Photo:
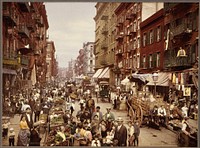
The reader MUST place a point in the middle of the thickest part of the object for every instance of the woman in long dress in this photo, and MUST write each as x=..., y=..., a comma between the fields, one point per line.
x=24, y=133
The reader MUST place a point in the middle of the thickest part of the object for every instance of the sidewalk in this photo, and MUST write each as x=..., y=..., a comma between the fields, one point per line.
x=14, y=123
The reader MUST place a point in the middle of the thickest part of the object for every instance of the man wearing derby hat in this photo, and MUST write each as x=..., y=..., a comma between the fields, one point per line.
x=109, y=114
x=121, y=133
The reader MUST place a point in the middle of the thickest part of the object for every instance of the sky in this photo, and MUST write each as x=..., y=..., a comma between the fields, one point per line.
x=70, y=25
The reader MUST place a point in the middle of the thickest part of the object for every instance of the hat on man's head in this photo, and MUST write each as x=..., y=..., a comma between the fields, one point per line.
x=28, y=108
x=120, y=119
x=98, y=107
x=11, y=129
x=108, y=108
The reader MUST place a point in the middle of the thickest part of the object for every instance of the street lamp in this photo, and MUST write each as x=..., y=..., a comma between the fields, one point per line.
x=155, y=79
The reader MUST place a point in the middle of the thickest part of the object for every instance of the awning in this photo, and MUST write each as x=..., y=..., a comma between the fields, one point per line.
x=163, y=79
x=9, y=71
x=143, y=78
x=105, y=73
x=97, y=73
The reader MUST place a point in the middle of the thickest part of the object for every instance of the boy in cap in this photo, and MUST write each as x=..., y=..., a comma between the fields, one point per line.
x=11, y=137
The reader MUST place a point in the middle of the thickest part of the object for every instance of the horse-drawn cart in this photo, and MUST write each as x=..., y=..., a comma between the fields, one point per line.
x=140, y=106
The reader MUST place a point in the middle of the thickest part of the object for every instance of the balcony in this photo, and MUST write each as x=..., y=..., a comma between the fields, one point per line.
x=133, y=13
x=39, y=20
x=23, y=31
x=10, y=17
x=31, y=25
x=105, y=30
x=128, y=16
x=10, y=61
x=103, y=62
x=180, y=30
x=118, y=52
x=132, y=30
x=104, y=17
x=24, y=6
x=172, y=61
x=104, y=46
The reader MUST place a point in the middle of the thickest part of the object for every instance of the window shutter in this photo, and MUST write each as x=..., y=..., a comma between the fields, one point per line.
x=141, y=62
x=155, y=34
x=147, y=61
x=148, y=41
x=161, y=33
x=154, y=60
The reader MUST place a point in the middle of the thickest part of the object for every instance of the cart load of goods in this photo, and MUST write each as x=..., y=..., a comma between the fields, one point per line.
x=58, y=101
x=56, y=116
x=59, y=136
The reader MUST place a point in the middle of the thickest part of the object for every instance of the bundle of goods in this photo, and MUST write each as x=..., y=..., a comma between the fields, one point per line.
x=59, y=136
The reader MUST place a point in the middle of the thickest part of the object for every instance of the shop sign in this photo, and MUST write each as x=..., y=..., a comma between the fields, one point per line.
x=187, y=91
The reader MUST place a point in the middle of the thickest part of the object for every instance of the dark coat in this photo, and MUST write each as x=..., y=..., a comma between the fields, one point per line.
x=34, y=138
x=121, y=136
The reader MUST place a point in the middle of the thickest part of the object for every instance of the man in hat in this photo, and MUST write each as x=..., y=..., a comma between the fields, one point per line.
x=98, y=113
x=90, y=104
x=121, y=133
x=109, y=114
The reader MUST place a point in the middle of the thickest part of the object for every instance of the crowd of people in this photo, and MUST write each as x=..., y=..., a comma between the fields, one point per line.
x=88, y=127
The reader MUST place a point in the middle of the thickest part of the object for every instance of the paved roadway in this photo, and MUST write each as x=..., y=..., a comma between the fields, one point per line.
x=148, y=136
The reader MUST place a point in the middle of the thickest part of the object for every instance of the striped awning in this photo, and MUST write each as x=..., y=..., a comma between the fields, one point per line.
x=97, y=73
x=105, y=73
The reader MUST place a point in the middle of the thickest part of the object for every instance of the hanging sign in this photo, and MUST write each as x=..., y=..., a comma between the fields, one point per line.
x=187, y=91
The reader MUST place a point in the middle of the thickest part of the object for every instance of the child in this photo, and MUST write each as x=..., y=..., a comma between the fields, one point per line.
x=96, y=142
x=5, y=126
x=11, y=136
x=109, y=139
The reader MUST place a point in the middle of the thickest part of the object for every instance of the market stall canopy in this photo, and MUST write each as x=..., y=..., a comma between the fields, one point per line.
x=140, y=78
x=97, y=73
x=125, y=81
x=163, y=79
x=105, y=73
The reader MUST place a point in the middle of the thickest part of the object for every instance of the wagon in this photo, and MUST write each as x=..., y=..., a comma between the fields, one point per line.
x=104, y=90
x=141, y=105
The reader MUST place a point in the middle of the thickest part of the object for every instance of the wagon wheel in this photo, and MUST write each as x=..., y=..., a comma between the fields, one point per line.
x=138, y=114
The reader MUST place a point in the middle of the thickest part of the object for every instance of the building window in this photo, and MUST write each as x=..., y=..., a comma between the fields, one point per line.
x=151, y=36
x=134, y=26
x=158, y=36
x=150, y=61
x=144, y=39
x=138, y=61
x=138, y=26
x=144, y=61
x=158, y=59
x=138, y=41
x=134, y=44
